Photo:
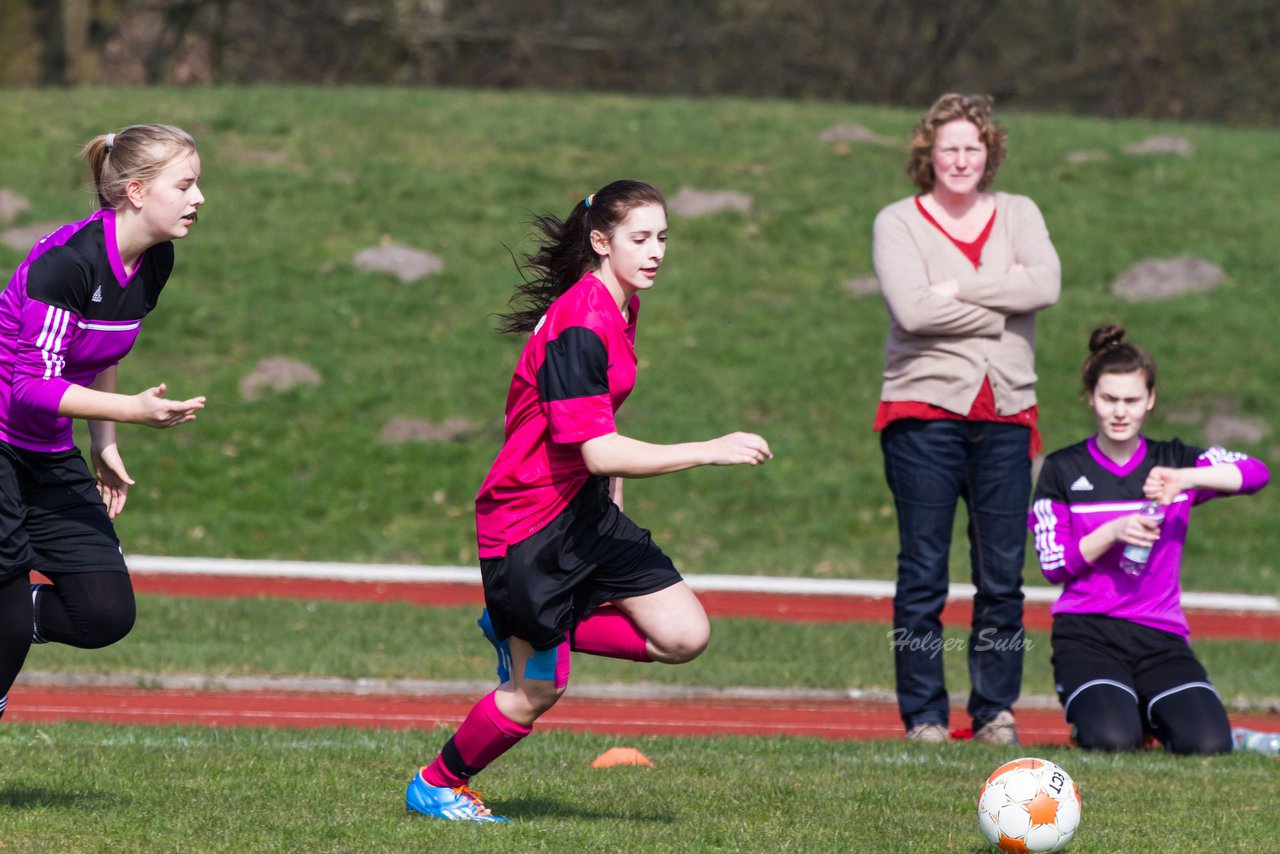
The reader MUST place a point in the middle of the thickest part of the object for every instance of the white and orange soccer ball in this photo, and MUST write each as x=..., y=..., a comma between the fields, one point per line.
x=1029, y=805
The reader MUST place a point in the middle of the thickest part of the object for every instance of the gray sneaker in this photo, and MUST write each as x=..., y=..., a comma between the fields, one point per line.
x=934, y=733
x=1002, y=729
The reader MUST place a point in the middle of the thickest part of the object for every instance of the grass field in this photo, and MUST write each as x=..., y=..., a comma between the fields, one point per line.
x=89, y=788
x=750, y=327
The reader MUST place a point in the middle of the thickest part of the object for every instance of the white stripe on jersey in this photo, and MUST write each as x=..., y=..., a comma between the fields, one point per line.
x=1052, y=554
x=1118, y=506
x=1218, y=455
x=50, y=340
x=121, y=326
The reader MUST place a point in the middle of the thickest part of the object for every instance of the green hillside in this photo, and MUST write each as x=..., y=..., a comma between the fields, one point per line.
x=751, y=325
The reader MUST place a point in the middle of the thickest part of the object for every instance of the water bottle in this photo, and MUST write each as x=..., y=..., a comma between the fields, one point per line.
x=1261, y=742
x=1134, y=559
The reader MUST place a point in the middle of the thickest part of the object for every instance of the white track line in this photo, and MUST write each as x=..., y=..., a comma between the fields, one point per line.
x=385, y=573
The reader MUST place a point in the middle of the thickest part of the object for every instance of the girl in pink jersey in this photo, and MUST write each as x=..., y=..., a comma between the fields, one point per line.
x=70, y=313
x=563, y=568
x=1122, y=659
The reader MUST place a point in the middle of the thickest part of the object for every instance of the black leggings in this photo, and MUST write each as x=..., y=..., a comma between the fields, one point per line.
x=88, y=610
x=1189, y=722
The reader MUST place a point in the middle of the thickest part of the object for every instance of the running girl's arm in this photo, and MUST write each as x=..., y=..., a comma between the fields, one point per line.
x=104, y=453
x=149, y=407
x=615, y=455
x=615, y=491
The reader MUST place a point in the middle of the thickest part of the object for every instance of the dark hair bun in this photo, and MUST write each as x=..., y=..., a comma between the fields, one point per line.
x=1105, y=338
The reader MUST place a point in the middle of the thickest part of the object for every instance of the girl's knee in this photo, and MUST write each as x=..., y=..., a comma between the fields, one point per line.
x=107, y=628
x=540, y=695
x=683, y=647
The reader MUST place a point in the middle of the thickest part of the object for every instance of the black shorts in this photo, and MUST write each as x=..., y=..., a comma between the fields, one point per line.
x=588, y=555
x=51, y=515
x=1091, y=649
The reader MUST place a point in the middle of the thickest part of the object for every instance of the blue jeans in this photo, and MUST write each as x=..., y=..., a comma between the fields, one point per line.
x=929, y=465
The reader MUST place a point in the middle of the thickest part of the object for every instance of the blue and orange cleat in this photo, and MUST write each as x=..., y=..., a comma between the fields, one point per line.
x=501, y=647
x=460, y=804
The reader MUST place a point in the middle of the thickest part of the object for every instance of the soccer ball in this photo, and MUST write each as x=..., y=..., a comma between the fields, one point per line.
x=1029, y=805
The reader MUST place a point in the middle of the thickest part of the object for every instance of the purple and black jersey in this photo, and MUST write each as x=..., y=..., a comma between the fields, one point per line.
x=70, y=312
x=1080, y=489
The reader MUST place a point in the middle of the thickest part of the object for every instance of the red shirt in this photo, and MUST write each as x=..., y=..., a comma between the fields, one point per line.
x=984, y=405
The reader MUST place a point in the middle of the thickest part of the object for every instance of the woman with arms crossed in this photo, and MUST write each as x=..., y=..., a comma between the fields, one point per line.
x=71, y=312
x=563, y=568
x=1122, y=660
x=963, y=271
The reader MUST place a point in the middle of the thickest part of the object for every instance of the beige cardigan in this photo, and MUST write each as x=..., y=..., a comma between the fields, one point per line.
x=940, y=348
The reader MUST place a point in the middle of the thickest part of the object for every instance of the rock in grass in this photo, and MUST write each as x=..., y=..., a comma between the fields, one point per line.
x=404, y=262
x=277, y=374
x=689, y=202
x=1157, y=278
x=12, y=206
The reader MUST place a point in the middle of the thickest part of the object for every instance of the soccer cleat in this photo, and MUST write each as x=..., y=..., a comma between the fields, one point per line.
x=501, y=647
x=460, y=804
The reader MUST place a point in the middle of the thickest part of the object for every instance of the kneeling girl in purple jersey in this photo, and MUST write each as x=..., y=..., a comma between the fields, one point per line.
x=563, y=568
x=1122, y=660
x=71, y=312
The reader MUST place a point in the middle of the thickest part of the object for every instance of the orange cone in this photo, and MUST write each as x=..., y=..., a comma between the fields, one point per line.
x=621, y=756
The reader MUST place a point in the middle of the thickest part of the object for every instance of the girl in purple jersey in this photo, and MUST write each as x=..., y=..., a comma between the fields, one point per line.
x=563, y=568
x=1122, y=661
x=70, y=313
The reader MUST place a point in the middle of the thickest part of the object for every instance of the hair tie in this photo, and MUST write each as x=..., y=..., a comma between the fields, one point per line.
x=588, y=199
x=1112, y=343
x=111, y=141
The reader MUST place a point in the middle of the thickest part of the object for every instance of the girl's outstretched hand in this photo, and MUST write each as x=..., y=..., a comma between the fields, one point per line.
x=739, y=449
x=159, y=412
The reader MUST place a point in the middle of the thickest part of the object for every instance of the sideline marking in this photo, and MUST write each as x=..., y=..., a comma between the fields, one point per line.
x=384, y=573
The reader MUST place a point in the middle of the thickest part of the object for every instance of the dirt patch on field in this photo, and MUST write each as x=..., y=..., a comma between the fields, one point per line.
x=1220, y=420
x=398, y=431
x=1157, y=278
x=277, y=374
x=1091, y=155
x=404, y=262
x=862, y=286
x=690, y=202
x=12, y=206
x=854, y=132
x=1162, y=145
x=24, y=237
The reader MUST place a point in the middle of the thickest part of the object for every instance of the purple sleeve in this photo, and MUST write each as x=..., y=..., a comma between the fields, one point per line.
x=44, y=336
x=1055, y=543
x=1254, y=474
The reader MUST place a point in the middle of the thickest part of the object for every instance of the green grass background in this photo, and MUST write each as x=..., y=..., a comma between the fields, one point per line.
x=750, y=326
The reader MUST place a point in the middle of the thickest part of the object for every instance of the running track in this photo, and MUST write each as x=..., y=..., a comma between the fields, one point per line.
x=821, y=716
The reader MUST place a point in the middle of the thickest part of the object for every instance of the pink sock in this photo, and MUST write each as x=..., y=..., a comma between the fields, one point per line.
x=610, y=633
x=485, y=735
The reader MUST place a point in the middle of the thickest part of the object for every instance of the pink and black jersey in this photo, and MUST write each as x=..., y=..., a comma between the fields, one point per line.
x=1080, y=489
x=70, y=311
x=577, y=368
